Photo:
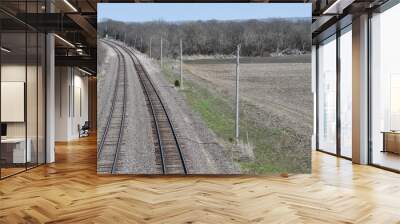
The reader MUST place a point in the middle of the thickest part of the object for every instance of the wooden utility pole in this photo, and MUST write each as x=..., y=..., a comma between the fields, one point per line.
x=237, y=93
x=150, y=48
x=181, y=83
x=161, y=62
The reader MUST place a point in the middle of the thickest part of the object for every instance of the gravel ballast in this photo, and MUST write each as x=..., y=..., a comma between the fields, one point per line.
x=201, y=150
x=137, y=151
x=107, y=62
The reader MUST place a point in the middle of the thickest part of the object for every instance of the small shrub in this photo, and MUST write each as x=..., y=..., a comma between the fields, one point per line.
x=177, y=83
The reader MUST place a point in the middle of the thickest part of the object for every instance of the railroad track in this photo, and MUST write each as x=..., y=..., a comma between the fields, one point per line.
x=168, y=149
x=112, y=137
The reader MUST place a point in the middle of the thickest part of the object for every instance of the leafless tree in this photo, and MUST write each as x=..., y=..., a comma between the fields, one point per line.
x=257, y=37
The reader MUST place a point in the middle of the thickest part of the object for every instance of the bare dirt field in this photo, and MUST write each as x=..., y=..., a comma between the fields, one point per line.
x=276, y=108
x=231, y=59
x=281, y=88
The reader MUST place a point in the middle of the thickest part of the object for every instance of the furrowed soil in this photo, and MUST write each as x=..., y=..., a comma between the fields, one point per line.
x=276, y=108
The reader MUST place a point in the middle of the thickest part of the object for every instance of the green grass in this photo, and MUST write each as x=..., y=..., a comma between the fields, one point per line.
x=214, y=110
x=272, y=146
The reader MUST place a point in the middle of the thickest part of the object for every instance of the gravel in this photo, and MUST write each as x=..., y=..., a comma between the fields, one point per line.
x=137, y=154
x=201, y=150
x=106, y=78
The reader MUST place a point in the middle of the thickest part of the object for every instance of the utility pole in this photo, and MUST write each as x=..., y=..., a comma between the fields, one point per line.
x=161, y=62
x=106, y=30
x=141, y=44
x=237, y=93
x=181, y=83
x=125, y=38
x=150, y=47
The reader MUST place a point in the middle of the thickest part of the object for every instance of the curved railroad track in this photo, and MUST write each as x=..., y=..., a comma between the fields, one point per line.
x=168, y=149
x=111, y=140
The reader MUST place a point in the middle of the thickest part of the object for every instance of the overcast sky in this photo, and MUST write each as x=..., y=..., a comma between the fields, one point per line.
x=142, y=12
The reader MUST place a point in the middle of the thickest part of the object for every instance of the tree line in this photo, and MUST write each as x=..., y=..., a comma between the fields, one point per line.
x=257, y=37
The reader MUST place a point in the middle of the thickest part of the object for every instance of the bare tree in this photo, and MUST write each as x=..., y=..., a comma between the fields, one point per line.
x=257, y=37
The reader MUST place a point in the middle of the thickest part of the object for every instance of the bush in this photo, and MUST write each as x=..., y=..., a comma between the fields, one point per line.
x=177, y=83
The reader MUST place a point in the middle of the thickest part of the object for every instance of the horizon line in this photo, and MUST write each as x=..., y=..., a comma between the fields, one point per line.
x=204, y=20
